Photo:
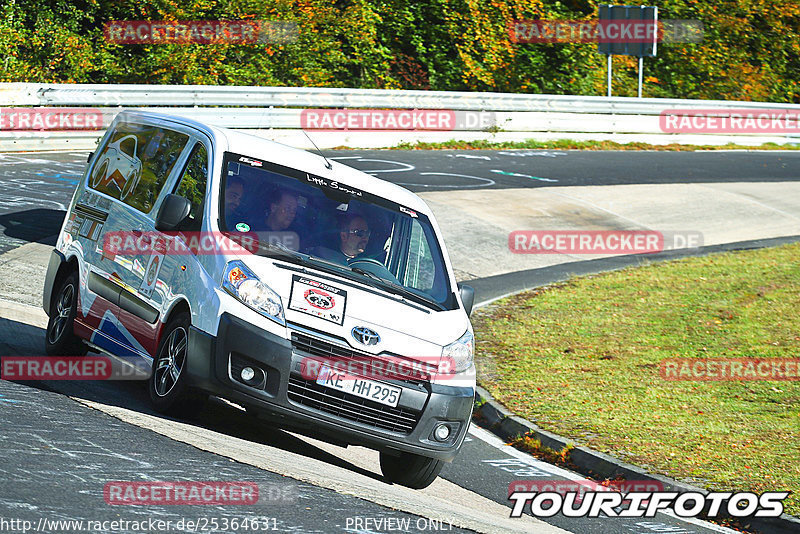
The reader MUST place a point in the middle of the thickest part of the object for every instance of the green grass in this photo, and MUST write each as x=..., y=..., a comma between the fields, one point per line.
x=582, y=359
x=568, y=144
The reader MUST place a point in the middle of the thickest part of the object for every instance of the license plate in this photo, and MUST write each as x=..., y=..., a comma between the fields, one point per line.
x=366, y=389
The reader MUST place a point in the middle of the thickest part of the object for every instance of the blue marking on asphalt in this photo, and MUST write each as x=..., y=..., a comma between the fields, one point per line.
x=60, y=177
x=8, y=400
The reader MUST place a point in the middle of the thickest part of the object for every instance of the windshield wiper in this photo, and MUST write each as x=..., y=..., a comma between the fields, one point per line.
x=398, y=289
x=280, y=248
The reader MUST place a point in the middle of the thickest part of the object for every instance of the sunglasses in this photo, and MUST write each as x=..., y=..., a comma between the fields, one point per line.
x=360, y=233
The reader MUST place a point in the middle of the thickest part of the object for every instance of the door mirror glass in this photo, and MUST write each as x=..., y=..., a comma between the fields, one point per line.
x=467, y=297
x=173, y=211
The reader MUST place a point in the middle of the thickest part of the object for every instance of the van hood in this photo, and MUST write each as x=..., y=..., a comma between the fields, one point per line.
x=317, y=300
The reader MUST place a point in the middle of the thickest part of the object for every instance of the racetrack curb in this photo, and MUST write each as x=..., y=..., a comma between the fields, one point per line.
x=491, y=288
x=493, y=416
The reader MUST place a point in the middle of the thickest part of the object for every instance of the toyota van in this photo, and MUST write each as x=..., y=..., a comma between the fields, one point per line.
x=319, y=298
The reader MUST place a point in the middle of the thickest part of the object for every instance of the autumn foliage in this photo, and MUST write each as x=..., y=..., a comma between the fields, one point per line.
x=750, y=51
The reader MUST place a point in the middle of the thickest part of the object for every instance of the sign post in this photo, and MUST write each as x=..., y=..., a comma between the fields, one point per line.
x=627, y=31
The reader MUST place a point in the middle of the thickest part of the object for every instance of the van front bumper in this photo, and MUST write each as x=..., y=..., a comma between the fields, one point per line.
x=304, y=406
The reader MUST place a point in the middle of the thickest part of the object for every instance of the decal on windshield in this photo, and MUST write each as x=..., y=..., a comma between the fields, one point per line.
x=317, y=299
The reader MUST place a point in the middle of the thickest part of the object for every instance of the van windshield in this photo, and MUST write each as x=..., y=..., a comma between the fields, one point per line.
x=335, y=227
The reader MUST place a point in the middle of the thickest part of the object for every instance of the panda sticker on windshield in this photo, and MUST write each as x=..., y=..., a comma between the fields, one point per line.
x=318, y=299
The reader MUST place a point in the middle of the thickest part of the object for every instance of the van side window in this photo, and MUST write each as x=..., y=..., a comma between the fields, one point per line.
x=193, y=186
x=135, y=163
x=420, y=268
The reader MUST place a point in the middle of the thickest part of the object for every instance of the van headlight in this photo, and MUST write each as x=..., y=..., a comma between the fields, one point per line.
x=245, y=286
x=461, y=352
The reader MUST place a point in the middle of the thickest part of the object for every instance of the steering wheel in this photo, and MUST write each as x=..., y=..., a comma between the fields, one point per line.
x=375, y=267
x=366, y=259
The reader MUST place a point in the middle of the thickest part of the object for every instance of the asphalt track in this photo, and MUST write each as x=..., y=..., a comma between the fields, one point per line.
x=430, y=170
x=61, y=441
x=38, y=186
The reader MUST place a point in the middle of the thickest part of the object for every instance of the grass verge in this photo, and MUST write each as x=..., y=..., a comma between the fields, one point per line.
x=568, y=144
x=582, y=359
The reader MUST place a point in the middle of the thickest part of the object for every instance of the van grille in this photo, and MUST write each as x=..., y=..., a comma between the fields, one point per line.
x=341, y=404
x=319, y=347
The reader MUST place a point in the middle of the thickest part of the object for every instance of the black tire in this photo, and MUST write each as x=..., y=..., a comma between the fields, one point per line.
x=410, y=470
x=168, y=383
x=60, y=338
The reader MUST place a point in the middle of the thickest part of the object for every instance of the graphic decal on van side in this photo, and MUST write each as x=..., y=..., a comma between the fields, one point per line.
x=136, y=162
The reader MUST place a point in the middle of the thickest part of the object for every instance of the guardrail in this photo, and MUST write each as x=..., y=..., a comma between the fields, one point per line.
x=278, y=111
x=33, y=94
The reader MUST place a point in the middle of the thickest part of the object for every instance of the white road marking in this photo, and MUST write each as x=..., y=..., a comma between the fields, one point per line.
x=487, y=184
x=407, y=166
x=469, y=156
x=541, y=153
x=508, y=173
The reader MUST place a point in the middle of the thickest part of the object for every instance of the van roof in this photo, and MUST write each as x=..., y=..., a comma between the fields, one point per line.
x=257, y=147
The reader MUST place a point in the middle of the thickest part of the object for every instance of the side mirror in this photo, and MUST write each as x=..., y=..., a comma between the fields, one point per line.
x=173, y=211
x=467, y=297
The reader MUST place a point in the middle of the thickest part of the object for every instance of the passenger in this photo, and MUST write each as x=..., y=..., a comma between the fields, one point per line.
x=282, y=211
x=234, y=191
x=277, y=229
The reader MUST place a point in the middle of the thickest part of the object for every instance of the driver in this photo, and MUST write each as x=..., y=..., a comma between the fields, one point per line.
x=354, y=235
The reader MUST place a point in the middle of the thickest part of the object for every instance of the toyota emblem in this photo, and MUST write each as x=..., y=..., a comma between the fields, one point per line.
x=365, y=336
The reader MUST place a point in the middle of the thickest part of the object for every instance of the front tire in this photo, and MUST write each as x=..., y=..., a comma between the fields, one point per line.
x=410, y=470
x=60, y=338
x=168, y=387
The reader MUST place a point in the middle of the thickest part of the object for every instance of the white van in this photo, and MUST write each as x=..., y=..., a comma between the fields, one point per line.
x=318, y=297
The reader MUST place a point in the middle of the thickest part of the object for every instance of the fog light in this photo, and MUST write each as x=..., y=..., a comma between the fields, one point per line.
x=247, y=374
x=442, y=432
